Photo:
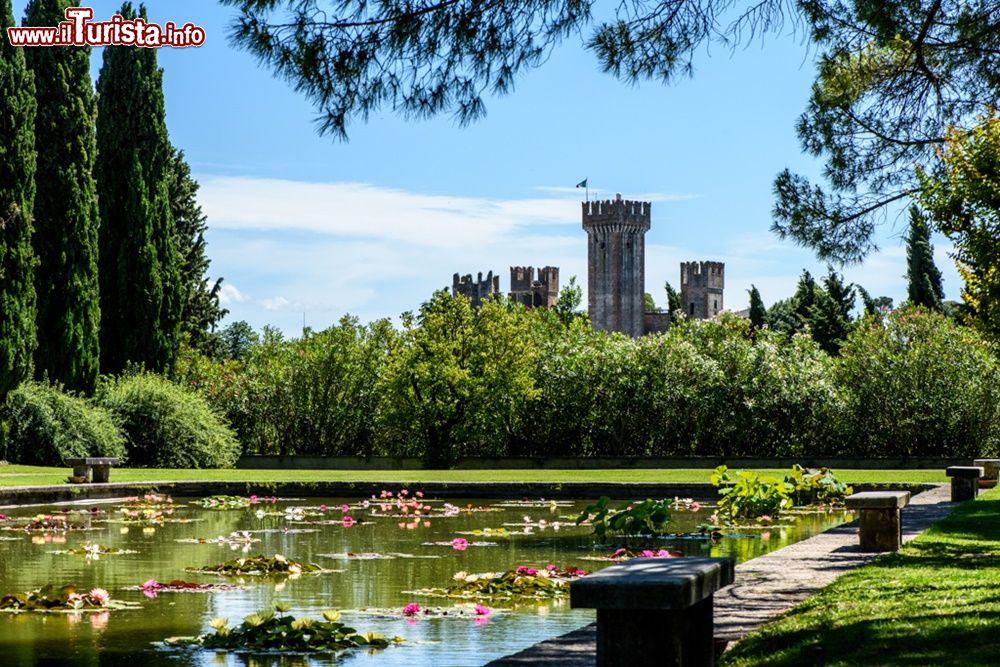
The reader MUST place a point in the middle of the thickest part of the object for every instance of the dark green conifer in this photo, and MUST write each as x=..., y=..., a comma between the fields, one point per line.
x=758, y=313
x=142, y=297
x=66, y=215
x=922, y=275
x=17, y=193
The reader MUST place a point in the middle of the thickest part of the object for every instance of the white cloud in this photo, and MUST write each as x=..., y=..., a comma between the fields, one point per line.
x=229, y=294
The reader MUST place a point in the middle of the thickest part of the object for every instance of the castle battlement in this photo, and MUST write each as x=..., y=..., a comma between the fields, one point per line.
x=525, y=289
x=618, y=212
x=703, y=274
x=476, y=290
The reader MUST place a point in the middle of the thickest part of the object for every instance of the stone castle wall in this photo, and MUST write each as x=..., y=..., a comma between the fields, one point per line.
x=702, y=286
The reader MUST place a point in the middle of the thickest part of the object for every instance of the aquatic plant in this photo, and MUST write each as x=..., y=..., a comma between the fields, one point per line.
x=62, y=599
x=521, y=583
x=278, y=631
x=222, y=502
x=262, y=566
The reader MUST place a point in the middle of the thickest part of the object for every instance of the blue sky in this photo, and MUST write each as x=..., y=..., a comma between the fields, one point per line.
x=303, y=225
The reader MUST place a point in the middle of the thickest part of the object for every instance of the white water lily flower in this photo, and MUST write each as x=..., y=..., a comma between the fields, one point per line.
x=460, y=576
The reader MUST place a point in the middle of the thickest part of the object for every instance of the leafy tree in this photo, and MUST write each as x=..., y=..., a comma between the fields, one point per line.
x=66, y=214
x=648, y=304
x=17, y=194
x=238, y=339
x=893, y=76
x=673, y=299
x=804, y=300
x=142, y=294
x=201, y=309
x=758, y=314
x=963, y=197
x=459, y=381
x=569, y=302
x=781, y=317
x=922, y=277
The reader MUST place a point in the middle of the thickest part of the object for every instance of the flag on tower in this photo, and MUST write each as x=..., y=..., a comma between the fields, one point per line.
x=582, y=184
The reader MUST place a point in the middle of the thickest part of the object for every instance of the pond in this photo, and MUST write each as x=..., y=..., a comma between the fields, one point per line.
x=538, y=533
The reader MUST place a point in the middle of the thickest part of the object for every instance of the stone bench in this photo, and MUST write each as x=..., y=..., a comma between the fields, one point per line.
x=964, y=482
x=991, y=472
x=881, y=518
x=654, y=611
x=97, y=469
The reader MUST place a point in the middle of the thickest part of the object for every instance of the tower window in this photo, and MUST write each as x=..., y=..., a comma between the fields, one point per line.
x=715, y=305
x=692, y=309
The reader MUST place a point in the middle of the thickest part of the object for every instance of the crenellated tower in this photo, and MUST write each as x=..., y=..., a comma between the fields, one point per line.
x=616, y=255
x=702, y=285
x=477, y=290
x=532, y=293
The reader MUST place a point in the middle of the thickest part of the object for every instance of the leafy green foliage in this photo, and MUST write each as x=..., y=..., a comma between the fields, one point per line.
x=962, y=195
x=459, y=380
x=916, y=383
x=48, y=426
x=521, y=583
x=66, y=215
x=17, y=196
x=222, y=502
x=167, y=425
x=649, y=517
x=673, y=299
x=748, y=495
x=816, y=486
x=62, y=599
x=262, y=566
x=142, y=294
x=271, y=631
x=758, y=313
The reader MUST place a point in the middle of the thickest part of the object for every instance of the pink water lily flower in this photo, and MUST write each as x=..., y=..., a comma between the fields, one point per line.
x=419, y=494
x=345, y=508
x=322, y=508
x=460, y=544
x=646, y=553
x=663, y=553
x=483, y=611
x=152, y=583
x=99, y=596
x=347, y=521
x=411, y=609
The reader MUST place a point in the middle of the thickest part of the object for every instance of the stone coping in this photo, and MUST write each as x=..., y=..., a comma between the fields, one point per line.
x=965, y=472
x=652, y=583
x=46, y=495
x=872, y=500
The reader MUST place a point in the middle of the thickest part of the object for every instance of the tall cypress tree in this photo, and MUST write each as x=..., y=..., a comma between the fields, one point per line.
x=201, y=301
x=141, y=291
x=17, y=193
x=66, y=215
x=758, y=313
x=922, y=275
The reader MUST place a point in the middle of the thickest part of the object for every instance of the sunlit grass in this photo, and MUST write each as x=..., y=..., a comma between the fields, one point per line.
x=936, y=602
x=18, y=475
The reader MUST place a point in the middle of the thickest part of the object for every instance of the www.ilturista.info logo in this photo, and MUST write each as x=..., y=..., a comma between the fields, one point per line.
x=79, y=30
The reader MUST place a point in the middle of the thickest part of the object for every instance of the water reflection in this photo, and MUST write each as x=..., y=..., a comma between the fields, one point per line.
x=529, y=538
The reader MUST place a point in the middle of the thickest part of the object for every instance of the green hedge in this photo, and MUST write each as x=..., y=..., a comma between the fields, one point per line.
x=46, y=426
x=167, y=425
x=502, y=381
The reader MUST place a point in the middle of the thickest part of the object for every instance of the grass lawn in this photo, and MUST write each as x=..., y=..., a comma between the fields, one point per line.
x=935, y=602
x=18, y=475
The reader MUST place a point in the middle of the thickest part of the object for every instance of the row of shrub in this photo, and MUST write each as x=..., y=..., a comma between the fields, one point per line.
x=141, y=418
x=502, y=381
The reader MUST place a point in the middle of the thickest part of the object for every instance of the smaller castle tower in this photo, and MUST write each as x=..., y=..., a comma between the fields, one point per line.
x=532, y=293
x=702, y=285
x=475, y=290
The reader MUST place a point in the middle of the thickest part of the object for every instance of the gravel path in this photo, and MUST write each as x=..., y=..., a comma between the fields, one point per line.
x=765, y=587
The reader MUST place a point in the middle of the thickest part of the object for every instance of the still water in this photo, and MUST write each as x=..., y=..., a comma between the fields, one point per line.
x=130, y=637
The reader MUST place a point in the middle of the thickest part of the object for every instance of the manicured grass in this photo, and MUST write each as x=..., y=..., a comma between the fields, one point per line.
x=936, y=602
x=17, y=475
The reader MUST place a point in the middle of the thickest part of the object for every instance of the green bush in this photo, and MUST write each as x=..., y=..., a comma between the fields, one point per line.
x=46, y=426
x=168, y=426
x=917, y=384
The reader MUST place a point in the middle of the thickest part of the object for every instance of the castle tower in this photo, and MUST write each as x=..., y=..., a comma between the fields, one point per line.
x=475, y=290
x=532, y=293
x=702, y=284
x=616, y=256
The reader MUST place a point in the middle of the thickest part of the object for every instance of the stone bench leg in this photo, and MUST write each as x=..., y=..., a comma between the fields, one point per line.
x=656, y=637
x=964, y=488
x=102, y=474
x=82, y=471
x=881, y=529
